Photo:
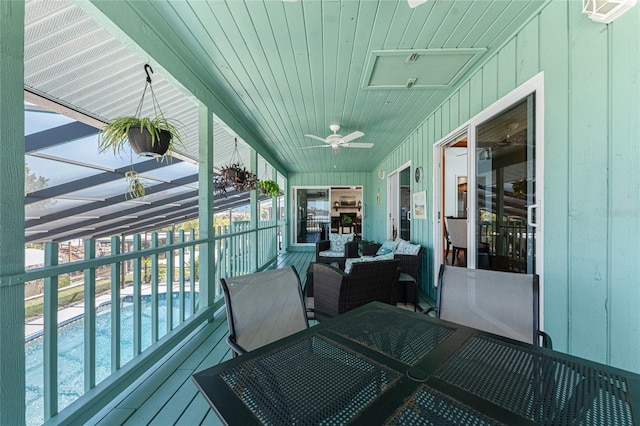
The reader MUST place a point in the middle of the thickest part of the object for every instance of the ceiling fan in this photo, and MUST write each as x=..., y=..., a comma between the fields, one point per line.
x=336, y=141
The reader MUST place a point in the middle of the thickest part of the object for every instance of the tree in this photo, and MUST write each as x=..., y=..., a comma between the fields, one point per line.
x=33, y=182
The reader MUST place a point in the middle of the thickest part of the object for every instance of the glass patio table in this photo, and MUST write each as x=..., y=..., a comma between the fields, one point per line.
x=379, y=364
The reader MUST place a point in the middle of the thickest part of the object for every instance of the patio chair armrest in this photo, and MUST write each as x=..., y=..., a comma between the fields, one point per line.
x=546, y=340
x=351, y=249
x=411, y=264
x=322, y=246
x=370, y=249
x=235, y=347
x=430, y=310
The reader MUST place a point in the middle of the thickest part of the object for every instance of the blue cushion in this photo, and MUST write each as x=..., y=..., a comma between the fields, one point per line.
x=408, y=248
x=388, y=247
x=337, y=241
x=331, y=253
x=349, y=263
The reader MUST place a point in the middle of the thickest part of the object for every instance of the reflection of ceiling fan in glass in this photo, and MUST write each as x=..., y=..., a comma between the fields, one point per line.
x=412, y=3
x=336, y=141
x=514, y=137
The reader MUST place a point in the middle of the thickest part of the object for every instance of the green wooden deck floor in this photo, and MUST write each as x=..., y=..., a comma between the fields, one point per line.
x=166, y=395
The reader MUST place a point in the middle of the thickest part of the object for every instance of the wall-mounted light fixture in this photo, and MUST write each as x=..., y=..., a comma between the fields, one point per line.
x=606, y=11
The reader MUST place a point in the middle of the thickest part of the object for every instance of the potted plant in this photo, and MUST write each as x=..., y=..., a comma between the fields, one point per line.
x=135, y=185
x=150, y=137
x=269, y=187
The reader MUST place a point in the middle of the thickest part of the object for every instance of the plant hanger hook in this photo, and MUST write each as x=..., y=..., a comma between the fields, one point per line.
x=156, y=107
x=148, y=68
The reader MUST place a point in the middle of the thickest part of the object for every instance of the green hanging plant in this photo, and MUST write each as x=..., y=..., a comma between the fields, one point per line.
x=147, y=136
x=136, y=187
x=151, y=137
x=269, y=187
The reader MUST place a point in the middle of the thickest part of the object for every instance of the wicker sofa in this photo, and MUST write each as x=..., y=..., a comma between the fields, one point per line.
x=336, y=292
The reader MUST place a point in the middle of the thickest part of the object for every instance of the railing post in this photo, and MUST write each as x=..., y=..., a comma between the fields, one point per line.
x=154, y=290
x=181, y=275
x=50, y=356
x=89, y=317
x=169, y=279
x=192, y=272
x=137, y=290
x=115, y=306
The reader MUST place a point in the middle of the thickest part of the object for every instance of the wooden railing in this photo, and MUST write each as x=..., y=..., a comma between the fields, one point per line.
x=507, y=239
x=169, y=268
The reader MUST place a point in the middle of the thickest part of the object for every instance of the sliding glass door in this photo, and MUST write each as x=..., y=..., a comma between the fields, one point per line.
x=488, y=187
x=505, y=190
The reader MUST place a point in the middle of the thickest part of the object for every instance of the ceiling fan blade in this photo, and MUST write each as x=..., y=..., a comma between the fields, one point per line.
x=317, y=138
x=351, y=136
x=316, y=146
x=415, y=3
x=357, y=145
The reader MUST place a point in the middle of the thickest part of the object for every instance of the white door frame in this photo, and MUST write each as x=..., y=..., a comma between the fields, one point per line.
x=531, y=86
x=393, y=198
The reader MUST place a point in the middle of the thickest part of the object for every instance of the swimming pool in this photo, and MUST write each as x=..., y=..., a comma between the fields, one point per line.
x=71, y=352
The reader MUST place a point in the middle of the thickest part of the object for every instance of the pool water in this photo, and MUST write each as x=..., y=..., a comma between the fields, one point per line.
x=71, y=352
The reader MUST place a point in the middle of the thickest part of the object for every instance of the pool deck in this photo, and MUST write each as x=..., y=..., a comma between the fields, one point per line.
x=165, y=394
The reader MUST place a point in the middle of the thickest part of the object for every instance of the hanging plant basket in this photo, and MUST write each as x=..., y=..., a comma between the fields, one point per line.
x=151, y=137
x=269, y=187
x=136, y=186
x=236, y=175
x=143, y=143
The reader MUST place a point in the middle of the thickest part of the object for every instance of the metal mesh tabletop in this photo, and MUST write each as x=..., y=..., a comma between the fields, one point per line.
x=308, y=382
x=394, y=334
x=543, y=388
x=382, y=365
x=427, y=406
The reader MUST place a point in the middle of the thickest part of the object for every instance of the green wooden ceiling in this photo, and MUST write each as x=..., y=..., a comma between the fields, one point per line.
x=281, y=69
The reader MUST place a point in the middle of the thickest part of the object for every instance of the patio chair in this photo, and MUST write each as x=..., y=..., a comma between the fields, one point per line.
x=456, y=228
x=263, y=307
x=337, y=249
x=336, y=292
x=503, y=303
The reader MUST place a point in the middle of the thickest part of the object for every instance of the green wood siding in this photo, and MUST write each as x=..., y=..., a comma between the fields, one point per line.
x=12, y=397
x=592, y=177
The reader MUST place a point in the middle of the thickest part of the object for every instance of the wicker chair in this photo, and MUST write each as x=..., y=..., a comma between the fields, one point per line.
x=350, y=250
x=410, y=273
x=336, y=292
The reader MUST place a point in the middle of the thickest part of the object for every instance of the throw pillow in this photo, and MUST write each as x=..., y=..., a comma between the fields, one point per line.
x=349, y=263
x=337, y=241
x=408, y=248
x=388, y=247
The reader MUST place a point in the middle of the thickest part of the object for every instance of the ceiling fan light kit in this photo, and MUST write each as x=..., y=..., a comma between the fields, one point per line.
x=415, y=3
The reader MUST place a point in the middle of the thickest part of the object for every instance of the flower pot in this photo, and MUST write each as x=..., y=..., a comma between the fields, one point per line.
x=140, y=141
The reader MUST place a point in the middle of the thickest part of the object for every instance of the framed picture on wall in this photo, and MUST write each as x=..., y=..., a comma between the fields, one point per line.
x=420, y=205
x=347, y=201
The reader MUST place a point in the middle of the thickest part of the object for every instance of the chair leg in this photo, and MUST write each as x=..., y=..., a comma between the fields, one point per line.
x=446, y=254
